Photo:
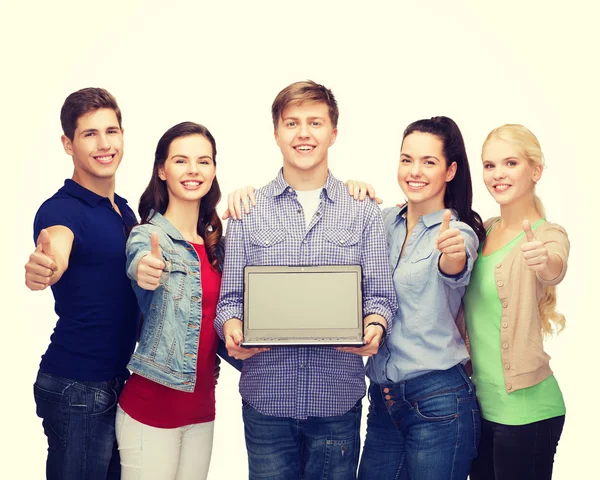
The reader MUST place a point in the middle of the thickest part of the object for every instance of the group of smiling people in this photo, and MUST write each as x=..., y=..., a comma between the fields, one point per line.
x=456, y=309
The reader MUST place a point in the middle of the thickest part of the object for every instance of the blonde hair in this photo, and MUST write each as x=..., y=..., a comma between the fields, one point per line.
x=529, y=147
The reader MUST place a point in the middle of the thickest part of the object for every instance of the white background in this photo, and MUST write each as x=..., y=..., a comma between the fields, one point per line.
x=222, y=63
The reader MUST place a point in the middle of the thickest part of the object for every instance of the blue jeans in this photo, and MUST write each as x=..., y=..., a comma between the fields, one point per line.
x=79, y=421
x=318, y=448
x=426, y=428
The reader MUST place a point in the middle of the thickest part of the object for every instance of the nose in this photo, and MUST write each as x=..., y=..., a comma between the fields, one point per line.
x=499, y=173
x=303, y=131
x=102, y=142
x=415, y=169
x=192, y=168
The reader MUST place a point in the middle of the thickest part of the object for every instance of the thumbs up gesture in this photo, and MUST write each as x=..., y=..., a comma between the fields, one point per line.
x=41, y=265
x=534, y=252
x=151, y=266
x=450, y=241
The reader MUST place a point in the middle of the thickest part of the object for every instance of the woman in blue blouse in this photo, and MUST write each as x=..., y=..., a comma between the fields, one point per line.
x=423, y=420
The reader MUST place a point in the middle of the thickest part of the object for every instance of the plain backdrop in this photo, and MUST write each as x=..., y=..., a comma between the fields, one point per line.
x=222, y=63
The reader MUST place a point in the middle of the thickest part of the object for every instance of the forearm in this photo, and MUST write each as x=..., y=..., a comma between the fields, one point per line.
x=452, y=266
x=553, y=267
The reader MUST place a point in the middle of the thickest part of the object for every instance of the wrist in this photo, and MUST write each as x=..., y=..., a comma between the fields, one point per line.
x=383, y=330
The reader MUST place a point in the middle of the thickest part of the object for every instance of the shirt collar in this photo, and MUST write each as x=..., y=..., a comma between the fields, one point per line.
x=93, y=199
x=332, y=188
x=166, y=226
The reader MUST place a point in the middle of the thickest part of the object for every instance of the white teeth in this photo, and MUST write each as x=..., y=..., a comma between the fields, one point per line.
x=104, y=159
x=304, y=148
x=501, y=188
x=191, y=184
x=416, y=184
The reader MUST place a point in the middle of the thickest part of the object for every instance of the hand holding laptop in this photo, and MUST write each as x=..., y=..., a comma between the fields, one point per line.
x=374, y=336
x=232, y=331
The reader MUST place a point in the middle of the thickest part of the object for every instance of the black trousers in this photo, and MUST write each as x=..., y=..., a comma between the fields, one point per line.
x=517, y=452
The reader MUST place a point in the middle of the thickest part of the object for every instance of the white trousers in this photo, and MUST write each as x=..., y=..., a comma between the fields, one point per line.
x=150, y=453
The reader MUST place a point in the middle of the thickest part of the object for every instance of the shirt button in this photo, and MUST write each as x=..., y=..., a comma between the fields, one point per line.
x=386, y=390
x=305, y=241
x=299, y=210
x=505, y=304
x=499, y=265
x=504, y=324
x=500, y=283
x=342, y=241
x=509, y=386
x=318, y=214
x=388, y=397
x=506, y=366
x=505, y=346
x=301, y=365
x=290, y=189
x=268, y=242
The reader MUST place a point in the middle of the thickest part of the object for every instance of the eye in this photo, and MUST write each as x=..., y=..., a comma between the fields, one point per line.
x=179, y=160
x=511, y=163
x=113, y=131
x=204, y=162
x=90, y=134
x=315, y=123
x=488, y=166
x=405, y=160
x=429, y=162
x=290, y=124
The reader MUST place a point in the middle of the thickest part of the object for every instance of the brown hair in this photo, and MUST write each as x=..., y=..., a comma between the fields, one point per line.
x=156, y=197
x=531, y=151
x=84, y=101
x=301, y=92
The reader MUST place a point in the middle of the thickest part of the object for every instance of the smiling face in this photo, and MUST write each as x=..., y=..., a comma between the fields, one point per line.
x=189, y=169
x=507, y=175
x=304, y=135
x=422, y=172
x=96, y=148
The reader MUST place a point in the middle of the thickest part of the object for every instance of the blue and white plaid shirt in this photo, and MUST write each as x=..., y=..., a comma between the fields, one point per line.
x=298, y=382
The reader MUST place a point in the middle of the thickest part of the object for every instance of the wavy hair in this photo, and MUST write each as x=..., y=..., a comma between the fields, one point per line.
x=156, y=197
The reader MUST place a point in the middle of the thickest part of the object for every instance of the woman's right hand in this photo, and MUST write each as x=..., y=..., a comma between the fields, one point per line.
x=359, y=190
x=151, y=266
x=235, y=200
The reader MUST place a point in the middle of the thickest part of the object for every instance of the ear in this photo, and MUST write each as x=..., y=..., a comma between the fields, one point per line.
x=161, y=173
x=276, y=135
x=333, y=136
x=537, y=173
x=67, y=144
x=451, y=172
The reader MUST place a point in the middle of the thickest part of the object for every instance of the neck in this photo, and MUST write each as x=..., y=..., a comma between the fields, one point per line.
x=513, y=214
x=306, y=179
x=184, y=217
x=416, y=210
x=105, y=187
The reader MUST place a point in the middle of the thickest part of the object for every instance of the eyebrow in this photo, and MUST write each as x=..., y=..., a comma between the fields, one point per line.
x=308, y=118
x=93, y=130
x=503, y=160
x=426, y=157
x=186, y=157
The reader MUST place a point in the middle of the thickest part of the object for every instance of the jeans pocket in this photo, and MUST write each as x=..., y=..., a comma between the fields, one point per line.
x=437, y=408
x=105, y=400
x=52, y=408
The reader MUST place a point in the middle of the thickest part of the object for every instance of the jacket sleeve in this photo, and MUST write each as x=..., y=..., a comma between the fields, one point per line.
x=555, y=239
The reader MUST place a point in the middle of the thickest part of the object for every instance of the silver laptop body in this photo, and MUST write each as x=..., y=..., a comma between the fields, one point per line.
x=307, y=305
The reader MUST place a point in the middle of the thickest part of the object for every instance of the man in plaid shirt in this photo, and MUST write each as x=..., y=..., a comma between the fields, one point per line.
x=302, y=405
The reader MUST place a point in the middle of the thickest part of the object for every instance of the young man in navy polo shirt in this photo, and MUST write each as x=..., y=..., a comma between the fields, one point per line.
x=80, y=233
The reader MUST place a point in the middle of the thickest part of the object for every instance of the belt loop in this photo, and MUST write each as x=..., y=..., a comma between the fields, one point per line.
x=463, y=372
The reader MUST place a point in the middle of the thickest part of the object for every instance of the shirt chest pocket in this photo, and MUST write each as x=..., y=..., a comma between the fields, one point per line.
x=267, y=246
x=341, y=246
x=419, y=267
x=175, y=274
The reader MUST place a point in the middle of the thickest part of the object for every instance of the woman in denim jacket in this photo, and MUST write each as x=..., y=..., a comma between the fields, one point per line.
x=165, y=418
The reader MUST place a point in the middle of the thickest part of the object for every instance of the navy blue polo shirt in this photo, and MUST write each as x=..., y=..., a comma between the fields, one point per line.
x=98, y=313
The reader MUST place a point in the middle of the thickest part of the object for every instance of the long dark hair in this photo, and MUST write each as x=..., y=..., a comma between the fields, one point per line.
x=459, y=190
x=156, y=197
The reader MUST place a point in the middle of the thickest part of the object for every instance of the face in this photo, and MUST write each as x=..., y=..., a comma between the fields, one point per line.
x=97, y=146
x=507, y=175
x=422, y=173
x=189, y=169
x=304, y=135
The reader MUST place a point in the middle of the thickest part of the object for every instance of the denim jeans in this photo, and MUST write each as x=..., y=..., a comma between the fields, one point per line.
x=425, y=428
x=79, y=421
x=318, y=448
x=517, y=452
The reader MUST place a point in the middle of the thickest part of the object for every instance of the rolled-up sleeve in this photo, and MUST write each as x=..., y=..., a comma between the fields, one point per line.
x=231, y=298
x=471, y=246
x=379, y=296
x=556, y=241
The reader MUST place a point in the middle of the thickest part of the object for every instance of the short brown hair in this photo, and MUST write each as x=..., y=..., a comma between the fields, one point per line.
x=300, y=92
x=84, y=101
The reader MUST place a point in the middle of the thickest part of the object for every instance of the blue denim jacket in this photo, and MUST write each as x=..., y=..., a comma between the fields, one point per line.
x=168, y=344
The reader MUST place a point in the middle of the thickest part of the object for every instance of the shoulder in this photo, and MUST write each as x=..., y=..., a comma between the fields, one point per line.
x=552, y=232
x=489, y=222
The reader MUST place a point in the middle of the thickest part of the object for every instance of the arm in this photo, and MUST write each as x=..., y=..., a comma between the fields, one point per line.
x=548, y=255
x=379, y=296
x=242, y=197
x=458, y=251
x=50, y=259
x=145, y=263
x=230, y=309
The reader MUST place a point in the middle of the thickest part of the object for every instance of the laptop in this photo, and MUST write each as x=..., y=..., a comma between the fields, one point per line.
x=304, y=305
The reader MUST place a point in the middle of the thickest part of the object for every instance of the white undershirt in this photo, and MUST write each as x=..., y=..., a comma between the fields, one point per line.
x=309, y=199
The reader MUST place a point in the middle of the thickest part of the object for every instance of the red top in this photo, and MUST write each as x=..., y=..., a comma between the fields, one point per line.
x=159, y=406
